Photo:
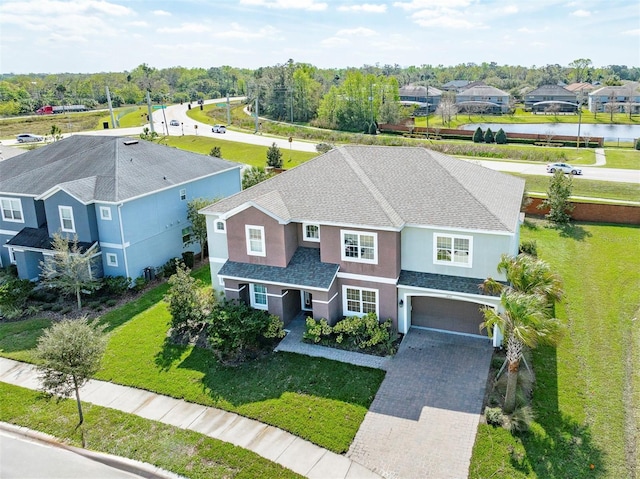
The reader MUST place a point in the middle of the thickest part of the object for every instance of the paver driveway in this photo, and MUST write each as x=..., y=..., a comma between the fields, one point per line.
x=423, y=420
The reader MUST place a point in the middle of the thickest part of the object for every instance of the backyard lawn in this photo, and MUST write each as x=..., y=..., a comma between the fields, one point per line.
x=587, y=395
x=317, y=399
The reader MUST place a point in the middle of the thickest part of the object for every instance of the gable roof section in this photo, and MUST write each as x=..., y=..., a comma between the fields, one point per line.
x=482, y=90
x=104, y=168
x=551, y=90
x=418, y=90
x=387, y=188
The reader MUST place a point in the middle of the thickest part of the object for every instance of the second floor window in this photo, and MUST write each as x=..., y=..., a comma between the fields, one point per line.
x=455, y=250
x=183, y=194
x=361, y=247
x=66, y=219
x=311, y=232
x=255, y=240
x=105, y=213
x=11, y=210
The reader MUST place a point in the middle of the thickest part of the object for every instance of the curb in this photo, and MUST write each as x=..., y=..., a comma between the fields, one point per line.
x=138, y=468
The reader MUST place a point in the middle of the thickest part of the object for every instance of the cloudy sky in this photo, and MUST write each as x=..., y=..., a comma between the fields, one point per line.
x=53, y=36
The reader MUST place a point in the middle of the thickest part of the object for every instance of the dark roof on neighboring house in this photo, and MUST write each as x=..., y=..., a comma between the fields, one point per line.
x=104, y=168
x=456, y=84
x=7, y=152
x=442, y=282
x=483, y=90
x=387, y=187
x=418, y=90
x=38, y=238
x=546, y=90
x=305, y=270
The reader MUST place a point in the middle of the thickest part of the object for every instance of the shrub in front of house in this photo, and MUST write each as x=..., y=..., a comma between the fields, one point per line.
x=116, y=286
x=14, y=294
x=237, y=332
x=354, y=333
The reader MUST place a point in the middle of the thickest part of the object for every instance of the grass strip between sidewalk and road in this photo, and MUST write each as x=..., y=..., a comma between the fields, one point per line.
x=106, y=430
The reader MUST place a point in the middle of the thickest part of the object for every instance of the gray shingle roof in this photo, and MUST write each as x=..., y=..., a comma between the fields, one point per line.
x=38, y=238
x=551, y=90
x=388, y=187
x=418, y=90
x=305, y=270
x=442, y=282
x=103, y=168
x=482, y=90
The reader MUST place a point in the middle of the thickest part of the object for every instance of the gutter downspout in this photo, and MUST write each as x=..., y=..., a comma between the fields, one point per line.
x=124, y=248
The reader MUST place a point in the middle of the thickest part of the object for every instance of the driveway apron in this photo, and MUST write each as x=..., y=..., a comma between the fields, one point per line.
x=423, y=420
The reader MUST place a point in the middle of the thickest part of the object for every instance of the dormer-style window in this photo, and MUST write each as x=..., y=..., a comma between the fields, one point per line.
x=11, y=210
x=219, y=226
x=67, y=223
x=359, y=246
x=311, y=232
x=105, y=213
x=255, y=240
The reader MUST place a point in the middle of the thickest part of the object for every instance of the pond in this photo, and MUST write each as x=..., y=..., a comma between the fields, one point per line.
x=609, y=132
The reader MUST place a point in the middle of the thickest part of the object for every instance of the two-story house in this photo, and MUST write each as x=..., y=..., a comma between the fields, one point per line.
x=551, y=97
x=404, y=232
x=616, y=99
x=124, y=200
x=483, y=98
x=427, y=98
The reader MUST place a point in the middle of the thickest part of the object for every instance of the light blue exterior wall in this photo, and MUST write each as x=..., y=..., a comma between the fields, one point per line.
x=8, y=229
x=153, y=224
x=418, y=251
x=218, y=251
x=28, y=263
x=84, y=217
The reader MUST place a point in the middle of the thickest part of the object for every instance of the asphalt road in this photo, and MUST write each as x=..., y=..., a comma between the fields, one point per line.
x=188, y=127
x=24, y=458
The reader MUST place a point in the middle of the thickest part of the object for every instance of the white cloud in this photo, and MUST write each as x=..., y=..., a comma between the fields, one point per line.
x=310, y=5
x=419, y=4
x=186, y=28
x=239, y=32
x=364, y=7
x=49, y=8
x=334, y=42
x=581, y=13
x=161, y=13
x=510, y=10
x=633, y=33
x=443, y=18
x=364, y=32
x=140, y=23
x=396, y=42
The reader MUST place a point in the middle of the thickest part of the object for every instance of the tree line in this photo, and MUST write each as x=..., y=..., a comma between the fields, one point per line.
x=298, y=92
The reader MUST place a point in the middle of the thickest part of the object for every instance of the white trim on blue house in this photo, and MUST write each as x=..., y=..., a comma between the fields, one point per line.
x=64, y=208
x=113, y=245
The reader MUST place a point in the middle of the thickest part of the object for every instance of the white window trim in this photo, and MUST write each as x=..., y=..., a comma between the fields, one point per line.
x=11, y=202
x=183, y=194
x=224, y=226
x=304, y=232
x=62, y=208
x=12, y=256
x=345, y=309
x=112, y=260
x=359, y=259
x=252, y=294
x=452, y=237
x=248, y=240
x=105, y=213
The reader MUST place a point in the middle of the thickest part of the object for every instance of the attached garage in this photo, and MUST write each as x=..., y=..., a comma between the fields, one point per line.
x=446, y=315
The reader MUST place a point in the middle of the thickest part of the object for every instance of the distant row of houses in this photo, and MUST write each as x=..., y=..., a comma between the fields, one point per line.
x=478, y=97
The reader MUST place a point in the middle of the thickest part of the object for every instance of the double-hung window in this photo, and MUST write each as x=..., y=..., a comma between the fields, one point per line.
x=359, y=301
x=67, y=223
x=311, y=232
x=11, y=210
x=255, y=240
x=112, y=259
x=452, y=250
x=358, y=246
x=259, y=298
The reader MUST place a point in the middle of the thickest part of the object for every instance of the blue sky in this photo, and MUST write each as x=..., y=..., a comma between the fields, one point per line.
x=88, y=36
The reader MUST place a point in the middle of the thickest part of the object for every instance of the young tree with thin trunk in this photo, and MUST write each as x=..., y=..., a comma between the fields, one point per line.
x=560, y=188
x=198, y=222
x=70, y=270
x=70, y=351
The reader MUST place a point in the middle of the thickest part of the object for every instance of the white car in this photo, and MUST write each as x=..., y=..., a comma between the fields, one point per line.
x=219, y=129
x=564, y=167
x=28, y=137
x=174, y=123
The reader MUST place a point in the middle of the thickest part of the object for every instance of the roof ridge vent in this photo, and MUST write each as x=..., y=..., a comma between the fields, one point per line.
x=131, y=142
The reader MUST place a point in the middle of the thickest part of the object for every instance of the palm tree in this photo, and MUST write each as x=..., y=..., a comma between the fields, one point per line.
x=529, y=275
x=524, y=322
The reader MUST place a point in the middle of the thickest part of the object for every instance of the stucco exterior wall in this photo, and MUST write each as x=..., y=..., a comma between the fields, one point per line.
x=84, y=218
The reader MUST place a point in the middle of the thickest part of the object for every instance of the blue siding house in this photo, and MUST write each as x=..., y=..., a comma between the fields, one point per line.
x=124, y=200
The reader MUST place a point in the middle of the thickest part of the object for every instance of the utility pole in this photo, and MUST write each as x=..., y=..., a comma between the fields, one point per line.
x=113, y=121
x=428, y=108
x=257, y=123
x=228, y=109
x=150, y=112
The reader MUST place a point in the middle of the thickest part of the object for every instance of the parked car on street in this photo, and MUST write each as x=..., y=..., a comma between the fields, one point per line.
x=27, y=137
x=174, y=123
x=564, y=167
x=219, y=129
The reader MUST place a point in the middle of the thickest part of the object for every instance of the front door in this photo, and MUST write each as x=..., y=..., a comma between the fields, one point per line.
x=305, y=297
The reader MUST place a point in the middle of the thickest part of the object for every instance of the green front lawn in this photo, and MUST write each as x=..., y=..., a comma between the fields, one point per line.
x=317, y=399
x=586, y=397
x=627, y=159
x=106, y=430
x=588, y=188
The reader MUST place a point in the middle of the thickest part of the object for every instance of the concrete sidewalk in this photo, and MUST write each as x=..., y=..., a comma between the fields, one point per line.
x=269, y=442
